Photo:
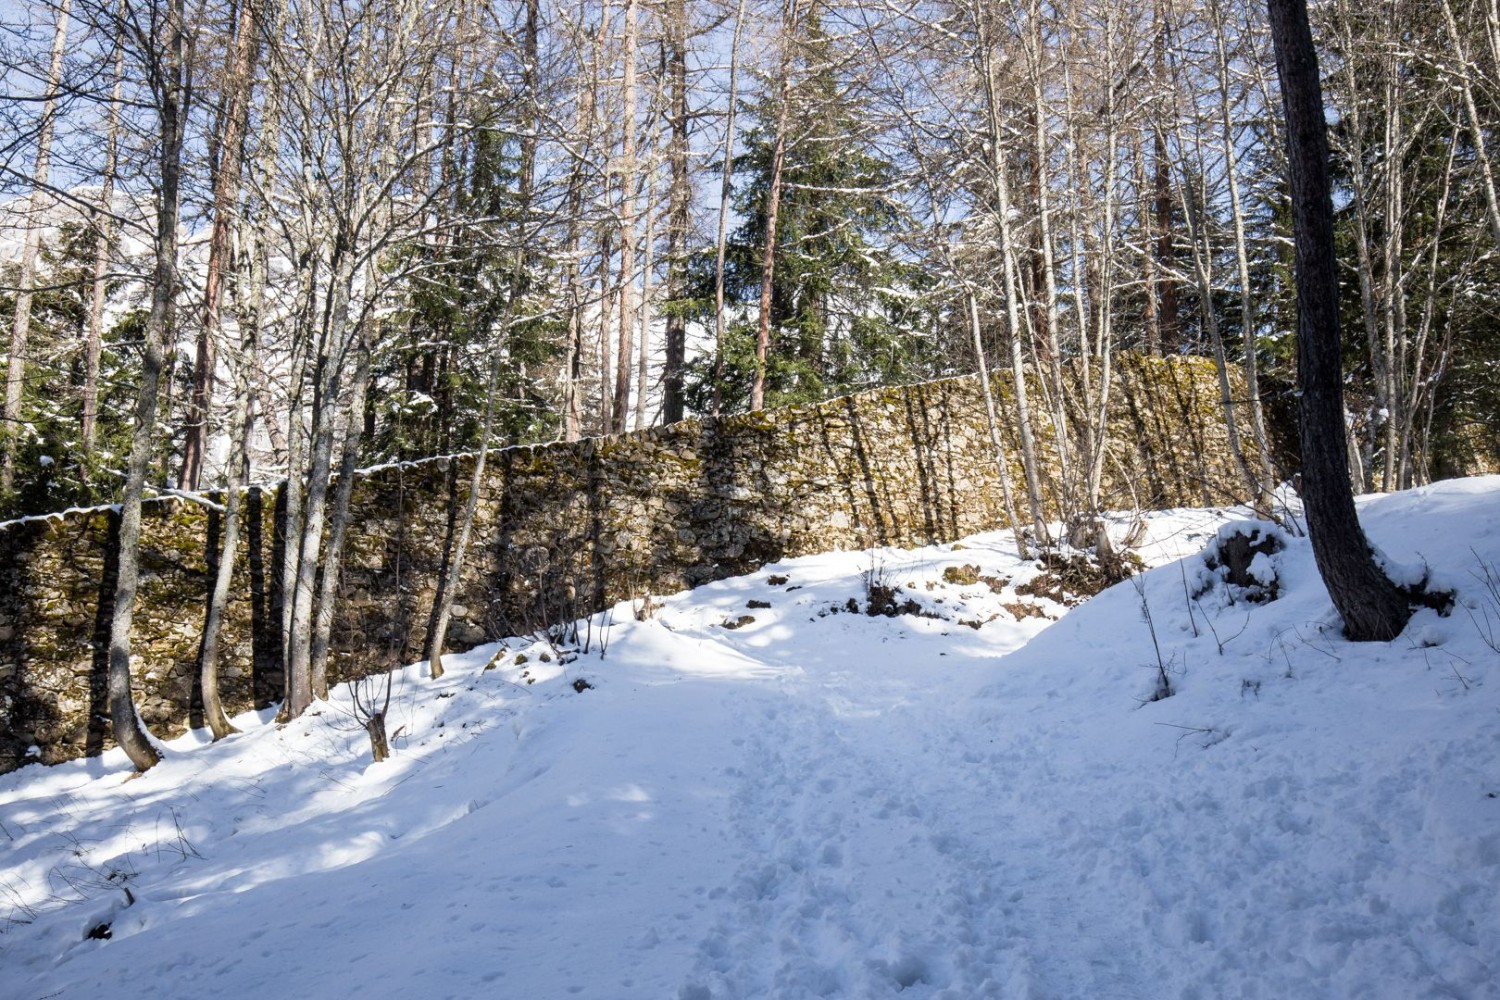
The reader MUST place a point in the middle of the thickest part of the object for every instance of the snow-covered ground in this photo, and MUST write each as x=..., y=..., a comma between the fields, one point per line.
x=822, y=803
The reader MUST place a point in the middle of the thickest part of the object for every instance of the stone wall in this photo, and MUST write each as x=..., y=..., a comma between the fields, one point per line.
x=562, y=530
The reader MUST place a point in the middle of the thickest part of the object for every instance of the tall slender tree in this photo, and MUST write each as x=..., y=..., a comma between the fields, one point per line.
x=11, y=417
x=1371, y=606
x=166, y=47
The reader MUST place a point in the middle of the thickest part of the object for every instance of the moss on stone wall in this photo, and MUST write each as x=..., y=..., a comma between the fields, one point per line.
x=563, y=530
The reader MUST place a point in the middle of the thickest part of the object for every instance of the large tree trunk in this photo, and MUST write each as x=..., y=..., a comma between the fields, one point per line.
x=338, y=525
x=208, y=652
x=175, y=57
x=1371, y=606
x=330, y=386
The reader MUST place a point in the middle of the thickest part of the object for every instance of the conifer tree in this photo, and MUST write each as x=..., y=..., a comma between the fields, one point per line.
x=841, y=317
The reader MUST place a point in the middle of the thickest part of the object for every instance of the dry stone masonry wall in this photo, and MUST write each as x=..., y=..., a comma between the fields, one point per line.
x=562, y=530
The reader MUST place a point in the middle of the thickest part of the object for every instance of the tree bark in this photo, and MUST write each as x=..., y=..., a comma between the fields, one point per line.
x=625, y=354
x=1475, y=120
x=679, y=209
x=20, y=330
x=1168, y=307
x=773, y=209
x=208, y=653
x=1011, y=286
x=104, y=233
x=1265, y=473
x=174, y=60
x=1371, y=606
x=226, y=191
x=992, y=422
x=338, y=524
x=726, y=182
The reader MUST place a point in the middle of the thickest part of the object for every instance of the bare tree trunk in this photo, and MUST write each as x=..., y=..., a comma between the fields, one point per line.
x=174, y=61
x=1105, y=295
x=218, y=602
x=1421, y=382
x=1368, y=602
x=679, y=211
x=329, y=386
x=1265, y=473
x=992, y=421
x=726, y=180
x=338, y=524
x=1369, y=308
x=643, y=348
x=1393, y=320
x=773, y=206
x=20, y=329
x=442, y=612
x=249, y=310
x=606, y=363
x=1477, y=126
x=1089, y=346
x=572, y=418
x=628, y=180
x=380, y=748
x=1202, y=256
x=1150, y=312
x=1492, y=34
x=226, y=184
x=999, y=167
x=104, y=249
x=1168, y=308
x=574, y=295
x=1046, y=258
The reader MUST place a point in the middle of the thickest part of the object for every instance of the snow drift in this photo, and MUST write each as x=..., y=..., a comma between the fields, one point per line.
x=961, y=800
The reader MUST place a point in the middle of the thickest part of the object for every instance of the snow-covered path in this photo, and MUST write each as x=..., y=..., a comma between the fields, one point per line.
x=821, y=803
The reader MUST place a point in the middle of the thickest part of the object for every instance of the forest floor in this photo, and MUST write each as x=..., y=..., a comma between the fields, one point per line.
x=759, y=792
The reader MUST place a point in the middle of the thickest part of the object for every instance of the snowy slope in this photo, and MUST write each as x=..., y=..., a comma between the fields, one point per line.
x=822, y=803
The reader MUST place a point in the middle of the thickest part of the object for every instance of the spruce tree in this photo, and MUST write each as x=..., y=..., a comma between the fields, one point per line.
x=843, y=316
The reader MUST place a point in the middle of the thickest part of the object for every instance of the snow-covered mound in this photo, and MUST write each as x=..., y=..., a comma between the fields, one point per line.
x=759, y=792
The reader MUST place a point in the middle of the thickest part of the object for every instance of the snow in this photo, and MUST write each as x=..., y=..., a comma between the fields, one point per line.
x=822, y=803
